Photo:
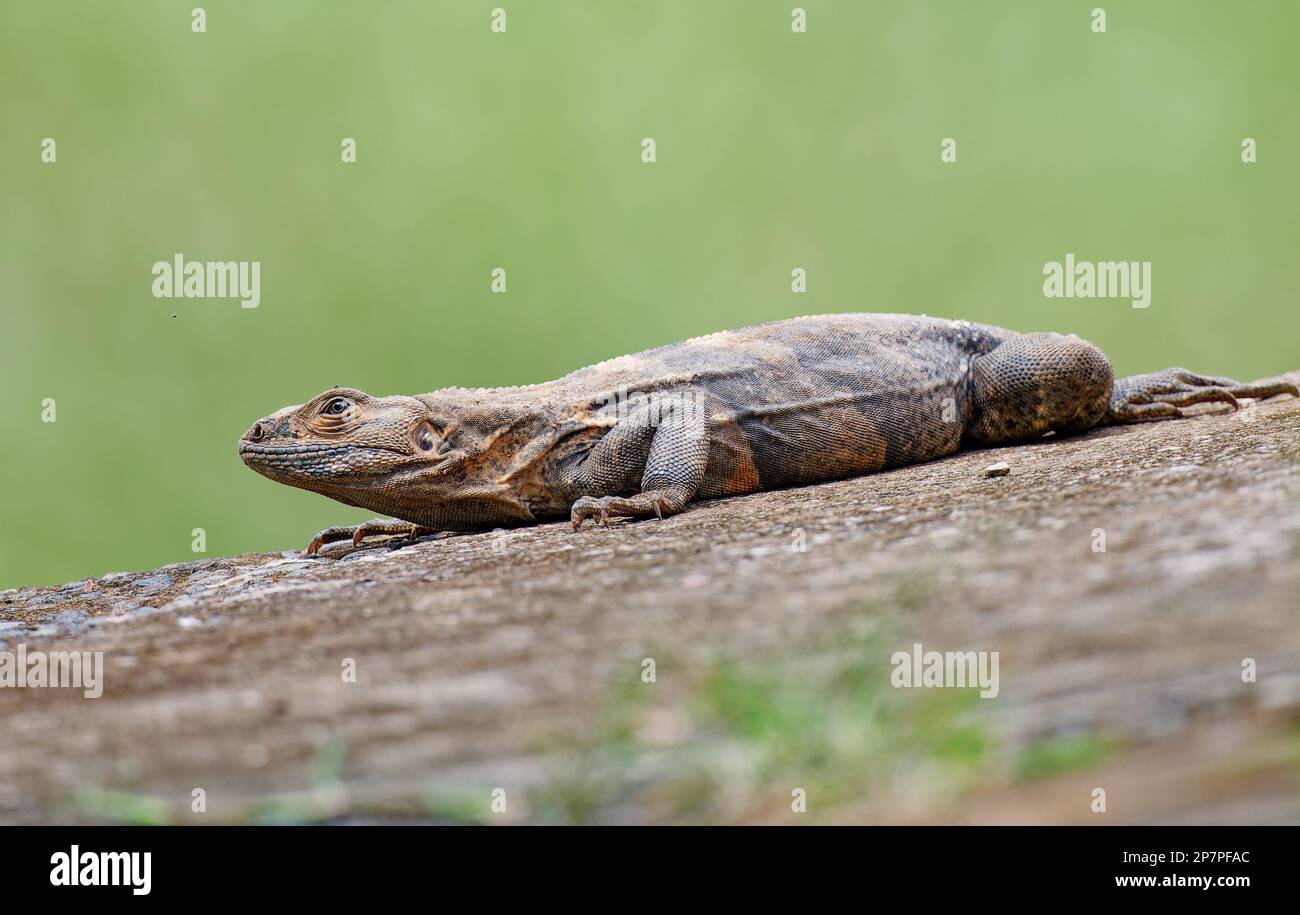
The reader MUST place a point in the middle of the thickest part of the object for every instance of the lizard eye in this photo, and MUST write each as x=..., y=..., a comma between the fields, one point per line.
x=424, y=438
x=336, y=406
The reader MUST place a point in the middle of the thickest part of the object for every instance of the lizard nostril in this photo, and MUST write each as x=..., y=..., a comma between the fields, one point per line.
x=257, y=433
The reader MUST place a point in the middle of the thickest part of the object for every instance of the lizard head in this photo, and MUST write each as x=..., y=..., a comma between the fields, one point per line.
x=344, y=442
x=395, y=455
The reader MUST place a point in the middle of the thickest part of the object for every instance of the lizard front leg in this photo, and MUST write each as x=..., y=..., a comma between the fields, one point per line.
x=661, y=449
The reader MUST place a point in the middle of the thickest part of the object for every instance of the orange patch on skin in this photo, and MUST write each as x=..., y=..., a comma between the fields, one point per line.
x=732, y=449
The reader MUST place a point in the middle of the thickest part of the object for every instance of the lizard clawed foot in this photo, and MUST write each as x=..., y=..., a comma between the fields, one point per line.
x=591, y=507
x=657, y=503
x=1159, y=395
x=358, y=532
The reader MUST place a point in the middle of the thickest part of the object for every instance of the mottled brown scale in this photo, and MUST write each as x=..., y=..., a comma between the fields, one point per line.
x=780, y=404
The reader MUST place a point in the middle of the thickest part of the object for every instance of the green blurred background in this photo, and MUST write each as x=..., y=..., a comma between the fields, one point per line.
x=522, y=150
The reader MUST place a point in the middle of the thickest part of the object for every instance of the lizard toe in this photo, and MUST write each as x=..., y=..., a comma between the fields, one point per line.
x=329, y=535
x=591, y=507
x=1208, y=394
x=358, y=532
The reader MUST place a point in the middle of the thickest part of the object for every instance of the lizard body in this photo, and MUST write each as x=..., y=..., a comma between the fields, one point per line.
x=786, y=403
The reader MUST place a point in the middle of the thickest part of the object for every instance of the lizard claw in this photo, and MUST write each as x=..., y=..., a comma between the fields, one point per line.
x=589, y=507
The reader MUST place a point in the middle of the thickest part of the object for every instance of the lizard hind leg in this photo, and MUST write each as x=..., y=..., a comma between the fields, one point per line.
x=1032, y=384
x=1159, y=395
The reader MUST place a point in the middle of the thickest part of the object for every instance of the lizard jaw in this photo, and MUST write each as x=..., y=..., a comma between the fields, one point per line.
x=317, y=462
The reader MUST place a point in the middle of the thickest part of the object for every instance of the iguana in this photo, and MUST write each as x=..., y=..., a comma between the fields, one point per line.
x=786, y=403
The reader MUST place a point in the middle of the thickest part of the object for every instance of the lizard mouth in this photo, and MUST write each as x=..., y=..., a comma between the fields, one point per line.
x=276, y=450
x=315, y=459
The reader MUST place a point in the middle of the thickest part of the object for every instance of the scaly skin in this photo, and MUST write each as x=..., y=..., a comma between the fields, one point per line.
x=775, y=405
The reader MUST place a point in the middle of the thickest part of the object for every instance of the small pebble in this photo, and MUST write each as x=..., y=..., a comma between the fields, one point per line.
x=1000, y=469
